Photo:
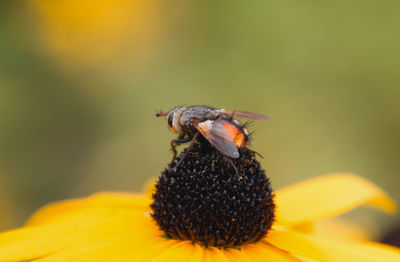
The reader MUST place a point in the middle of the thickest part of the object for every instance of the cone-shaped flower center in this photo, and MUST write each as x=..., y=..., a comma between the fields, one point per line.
x=206, y=201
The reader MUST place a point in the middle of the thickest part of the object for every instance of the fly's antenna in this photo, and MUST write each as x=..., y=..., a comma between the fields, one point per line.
x=161, y=113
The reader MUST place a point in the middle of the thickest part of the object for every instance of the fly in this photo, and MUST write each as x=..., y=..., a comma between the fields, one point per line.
x=218, y=126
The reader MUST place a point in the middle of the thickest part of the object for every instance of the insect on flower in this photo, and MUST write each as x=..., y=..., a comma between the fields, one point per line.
x=218, y=126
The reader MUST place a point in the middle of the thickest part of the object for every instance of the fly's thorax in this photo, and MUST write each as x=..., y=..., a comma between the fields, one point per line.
x=195, y=114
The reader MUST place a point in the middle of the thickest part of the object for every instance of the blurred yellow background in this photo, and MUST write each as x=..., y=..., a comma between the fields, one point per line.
x=80, y=82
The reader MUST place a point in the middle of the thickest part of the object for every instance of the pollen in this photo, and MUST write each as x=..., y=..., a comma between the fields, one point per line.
x=206, y=201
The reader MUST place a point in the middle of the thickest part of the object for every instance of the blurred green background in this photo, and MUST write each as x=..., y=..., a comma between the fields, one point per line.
x=80, y=82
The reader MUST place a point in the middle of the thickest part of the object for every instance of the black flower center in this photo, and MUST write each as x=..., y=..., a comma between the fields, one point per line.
x=206, y=201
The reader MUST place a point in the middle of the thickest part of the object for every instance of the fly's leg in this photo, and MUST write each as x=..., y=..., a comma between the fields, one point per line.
x=227, y=158
x=193, y=139
x=177, y=142
x=255, y=152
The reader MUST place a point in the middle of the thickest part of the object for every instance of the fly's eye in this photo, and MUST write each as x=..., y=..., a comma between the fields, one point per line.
x=170, y=118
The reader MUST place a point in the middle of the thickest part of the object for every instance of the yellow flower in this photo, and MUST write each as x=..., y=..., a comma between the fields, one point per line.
x=118, y=227
x=92, y=32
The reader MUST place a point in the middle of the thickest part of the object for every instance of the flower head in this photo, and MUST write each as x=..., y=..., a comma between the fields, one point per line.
x=206, y=201
x=177, y=226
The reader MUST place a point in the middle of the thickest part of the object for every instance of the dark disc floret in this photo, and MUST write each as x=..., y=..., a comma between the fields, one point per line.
x=205, y=200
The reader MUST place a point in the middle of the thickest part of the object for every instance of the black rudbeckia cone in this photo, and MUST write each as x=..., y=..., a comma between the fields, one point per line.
x=206, y=201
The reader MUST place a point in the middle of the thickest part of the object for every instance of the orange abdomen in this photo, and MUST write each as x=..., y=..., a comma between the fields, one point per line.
x=238, y=134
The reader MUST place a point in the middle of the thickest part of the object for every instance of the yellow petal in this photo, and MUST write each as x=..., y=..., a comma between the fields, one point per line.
x=338, y=229
x=86, y=251
x=328, y=250
x=104, y=199
x=328, y=196
x=260, y=251
x=183, y=251
x=74, y=229
x=306, y=259
x=123, y=249
x=215, y=254
x=150, y=187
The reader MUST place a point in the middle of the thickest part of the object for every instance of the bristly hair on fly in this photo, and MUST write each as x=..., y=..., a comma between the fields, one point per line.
x=250, y=137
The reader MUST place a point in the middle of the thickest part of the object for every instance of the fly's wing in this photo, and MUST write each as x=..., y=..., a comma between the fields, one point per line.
x=243, y=114
x=219, y=137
